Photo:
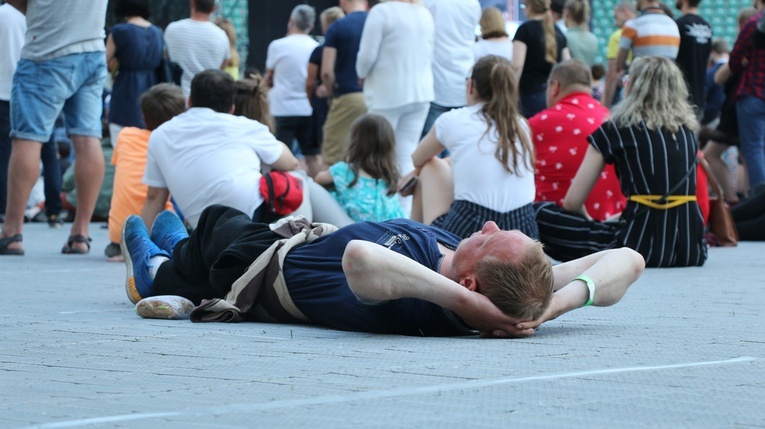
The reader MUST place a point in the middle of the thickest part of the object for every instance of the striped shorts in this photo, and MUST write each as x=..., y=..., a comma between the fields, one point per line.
x=465, y=218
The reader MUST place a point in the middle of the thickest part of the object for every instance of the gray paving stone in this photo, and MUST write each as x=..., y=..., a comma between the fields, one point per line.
x=685, y=348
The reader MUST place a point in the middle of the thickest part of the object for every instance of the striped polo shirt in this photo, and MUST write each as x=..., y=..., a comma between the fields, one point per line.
x=651, y=34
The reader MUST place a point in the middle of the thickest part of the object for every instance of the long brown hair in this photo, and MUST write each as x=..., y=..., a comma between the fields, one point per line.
x=542, y=7
x=494, y=83
x=372, y=148
x=252, y=100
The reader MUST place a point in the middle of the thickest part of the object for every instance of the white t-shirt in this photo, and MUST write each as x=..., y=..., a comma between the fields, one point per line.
x=478, y=176
x=56, y=28
x=288, y=58
x=204, y=157
x=396, y=56
x=499, y=47
x=196, y=46
x=13, y=26
x=455, y=22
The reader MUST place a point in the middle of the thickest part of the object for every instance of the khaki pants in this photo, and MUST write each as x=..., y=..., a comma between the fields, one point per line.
x=343, y=111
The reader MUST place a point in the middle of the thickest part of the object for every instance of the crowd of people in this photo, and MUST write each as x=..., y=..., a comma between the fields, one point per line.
x=454, y=166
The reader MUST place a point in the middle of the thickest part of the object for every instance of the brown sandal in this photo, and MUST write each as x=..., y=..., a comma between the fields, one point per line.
x=4, y=242
x=68, y=248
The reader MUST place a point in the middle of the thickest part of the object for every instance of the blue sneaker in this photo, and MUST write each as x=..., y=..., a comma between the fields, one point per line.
x=167, y=231
x=137, y=249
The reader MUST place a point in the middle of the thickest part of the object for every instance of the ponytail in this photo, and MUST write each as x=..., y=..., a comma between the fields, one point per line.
x=551, y=45
x=495, y=84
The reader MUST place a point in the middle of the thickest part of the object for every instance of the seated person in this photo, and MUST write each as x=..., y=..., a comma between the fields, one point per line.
x=651, y=142
x=208, y=156
x=365, y=183
x=159, y=104
x=395, y=277
x=491, y=175
x=560, y=138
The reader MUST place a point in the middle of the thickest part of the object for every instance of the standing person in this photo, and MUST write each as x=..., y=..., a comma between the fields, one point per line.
x=396, y=61
x=748, y=61
x=455, y=22
x=623, y=12
x=537, y=46
x=286, y=73
x=651, y=142
x=582, y=43
x=315, y=88
x=196, y=44
x=62, y=68
x=494, y=37
x=226, y=25
x=653, y=33
x=693, y=55
x=491, y=173
x=338, y=71
x=13, y=26
x=134, y=49
x=365, y=183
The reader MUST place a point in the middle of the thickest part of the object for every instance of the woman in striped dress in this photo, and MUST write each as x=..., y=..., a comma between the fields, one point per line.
x=651, y=142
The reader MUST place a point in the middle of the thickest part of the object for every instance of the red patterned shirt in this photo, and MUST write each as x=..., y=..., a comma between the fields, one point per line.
x=753, y=74
x=560, y=139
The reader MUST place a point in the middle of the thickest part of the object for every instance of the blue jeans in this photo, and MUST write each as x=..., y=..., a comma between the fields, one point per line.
x=751, y=125
x=531, y=104
x=5, y=151
x=435, y=111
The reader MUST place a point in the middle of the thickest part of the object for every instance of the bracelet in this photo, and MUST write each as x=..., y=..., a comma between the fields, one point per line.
x=590, y=286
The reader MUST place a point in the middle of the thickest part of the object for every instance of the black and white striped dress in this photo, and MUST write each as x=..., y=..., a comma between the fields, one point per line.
x=648, y=162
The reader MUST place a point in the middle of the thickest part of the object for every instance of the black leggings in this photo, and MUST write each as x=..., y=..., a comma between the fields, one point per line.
x=204, y=266
x=749, y=216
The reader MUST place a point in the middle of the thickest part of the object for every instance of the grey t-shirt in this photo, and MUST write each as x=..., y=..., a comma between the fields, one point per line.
x=56, y=28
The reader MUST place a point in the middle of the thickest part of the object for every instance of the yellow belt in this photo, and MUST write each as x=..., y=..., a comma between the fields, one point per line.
x=671, y=200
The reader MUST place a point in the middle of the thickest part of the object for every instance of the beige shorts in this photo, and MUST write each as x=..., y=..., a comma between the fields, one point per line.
x=343, y=111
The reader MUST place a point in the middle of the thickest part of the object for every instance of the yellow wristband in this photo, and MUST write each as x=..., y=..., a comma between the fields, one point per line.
x=590, y=286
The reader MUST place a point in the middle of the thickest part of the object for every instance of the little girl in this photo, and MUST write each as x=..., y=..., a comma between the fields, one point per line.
x=365, y=184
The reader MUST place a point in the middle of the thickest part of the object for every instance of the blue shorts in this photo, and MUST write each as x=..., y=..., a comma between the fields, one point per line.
x=41, y=90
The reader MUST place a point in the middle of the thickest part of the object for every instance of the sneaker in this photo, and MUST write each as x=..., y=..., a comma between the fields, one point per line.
x=137, y=249
x=54, y=221
x=167, y=231
x=113, y=253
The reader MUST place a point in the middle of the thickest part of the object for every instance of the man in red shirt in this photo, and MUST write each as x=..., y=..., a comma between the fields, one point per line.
x=560, y=138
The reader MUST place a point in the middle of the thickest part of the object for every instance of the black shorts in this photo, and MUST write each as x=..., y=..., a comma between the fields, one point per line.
x=300, y=128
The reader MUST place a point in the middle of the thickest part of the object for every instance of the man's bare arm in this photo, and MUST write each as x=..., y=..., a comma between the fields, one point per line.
x=377, y=273
x=155, y=203
x=612, y=271
x=21, y=5
x=328, y=58
x=612, y=82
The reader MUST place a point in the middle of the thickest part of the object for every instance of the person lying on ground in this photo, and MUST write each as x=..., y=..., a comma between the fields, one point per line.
x=393, y=277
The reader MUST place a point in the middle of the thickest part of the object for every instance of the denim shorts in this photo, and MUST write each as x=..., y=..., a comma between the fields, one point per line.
x=41, y=90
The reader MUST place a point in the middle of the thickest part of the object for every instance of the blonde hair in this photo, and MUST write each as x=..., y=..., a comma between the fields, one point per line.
x=330, y=15
x=252, y=100
x=657, y=96
x=522, y=289
x=542, y=7
x=494, y=82
x=226, y=25
x=492, y=23
x=578, y=11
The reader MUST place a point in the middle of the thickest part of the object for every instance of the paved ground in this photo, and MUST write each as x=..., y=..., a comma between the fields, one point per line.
x=685, y=348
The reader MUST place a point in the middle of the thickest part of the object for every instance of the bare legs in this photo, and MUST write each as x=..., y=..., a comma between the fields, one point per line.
x=434, y=193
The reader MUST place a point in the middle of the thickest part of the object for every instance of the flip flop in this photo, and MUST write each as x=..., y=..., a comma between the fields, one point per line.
x=69, y=250
x=4, y=242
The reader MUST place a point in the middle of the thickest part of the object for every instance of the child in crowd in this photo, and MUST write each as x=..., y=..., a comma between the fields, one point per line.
x=158, y=105
x=365, y=184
